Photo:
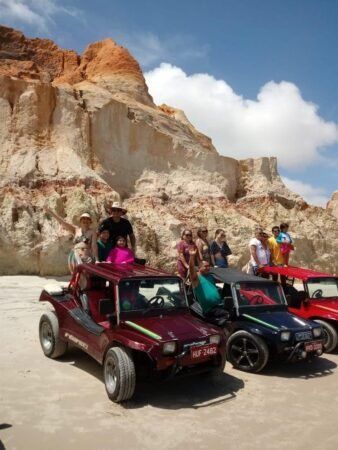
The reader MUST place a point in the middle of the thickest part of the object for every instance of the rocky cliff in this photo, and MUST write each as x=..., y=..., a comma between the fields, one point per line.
x=77, y=132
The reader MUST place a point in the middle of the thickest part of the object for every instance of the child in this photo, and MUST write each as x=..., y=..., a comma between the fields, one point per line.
x=80, y=255
x=121, y=254
x=285, y=241
x=104, y=244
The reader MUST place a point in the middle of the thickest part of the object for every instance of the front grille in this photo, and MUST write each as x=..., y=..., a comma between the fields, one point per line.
x=304, y=335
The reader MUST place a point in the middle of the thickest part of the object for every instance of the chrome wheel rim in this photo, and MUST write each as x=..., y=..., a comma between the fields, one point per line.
x=46, y=336
x=111, y=375
x=244, y=353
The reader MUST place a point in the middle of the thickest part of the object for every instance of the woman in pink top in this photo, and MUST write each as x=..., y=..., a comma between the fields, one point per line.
x=121, y=254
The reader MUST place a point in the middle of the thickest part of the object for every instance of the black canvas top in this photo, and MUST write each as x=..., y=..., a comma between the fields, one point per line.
x=230, y=275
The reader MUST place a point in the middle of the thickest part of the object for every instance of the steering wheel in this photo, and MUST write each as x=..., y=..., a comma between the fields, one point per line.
x=156, y=301
x=256, y=300
x=317, y=293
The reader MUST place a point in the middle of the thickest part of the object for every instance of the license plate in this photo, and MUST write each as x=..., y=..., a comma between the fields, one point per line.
x=313, y=346
x=203, y=351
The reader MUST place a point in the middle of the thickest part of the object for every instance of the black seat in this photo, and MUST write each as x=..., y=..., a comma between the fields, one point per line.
x=293, y=297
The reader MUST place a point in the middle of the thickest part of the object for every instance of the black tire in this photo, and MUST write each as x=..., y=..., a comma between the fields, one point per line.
x=247, y=352
x=330, y=336
x=119, y=374
x=51, y=344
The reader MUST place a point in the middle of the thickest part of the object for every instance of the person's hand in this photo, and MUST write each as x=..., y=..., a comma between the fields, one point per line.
x=46, y=208
x=193, y=252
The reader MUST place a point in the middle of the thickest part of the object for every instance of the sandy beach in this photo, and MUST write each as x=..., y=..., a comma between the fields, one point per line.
x=54, y=404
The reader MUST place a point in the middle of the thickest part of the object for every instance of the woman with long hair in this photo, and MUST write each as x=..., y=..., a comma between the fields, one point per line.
x=220, y=249
x=183, y=247
x=203, y=245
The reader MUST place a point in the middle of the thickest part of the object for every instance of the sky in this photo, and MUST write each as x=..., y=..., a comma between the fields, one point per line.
x=257, y=76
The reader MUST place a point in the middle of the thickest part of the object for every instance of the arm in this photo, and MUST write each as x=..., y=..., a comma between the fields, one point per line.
x=228, y=251
x=132, y=241
x=95, y=251
x=254, y=254
x=199, y=246
x=111, y=256
x=193, y=274
x=67, y=226
x=181, y=256
x=130, y=258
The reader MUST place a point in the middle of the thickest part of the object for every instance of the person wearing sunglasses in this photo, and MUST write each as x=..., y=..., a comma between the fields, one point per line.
x=183, y=248
x=220, y=250
x=203, y=245
x=118, y=225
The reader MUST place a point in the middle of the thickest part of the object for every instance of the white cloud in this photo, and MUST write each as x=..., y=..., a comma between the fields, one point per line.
x=278, y=123
x=150, y=49
x=38, y=13
x=313, y=195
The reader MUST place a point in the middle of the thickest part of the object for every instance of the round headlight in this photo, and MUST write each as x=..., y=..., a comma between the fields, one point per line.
x=169, y=348
x=215, y=339
x=285, y=336
x=317, y=332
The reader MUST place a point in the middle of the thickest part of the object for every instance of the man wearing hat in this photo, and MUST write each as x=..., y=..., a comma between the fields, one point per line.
x=118, y=225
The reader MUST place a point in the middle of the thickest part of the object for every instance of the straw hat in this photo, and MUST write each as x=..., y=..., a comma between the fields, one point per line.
x=85, y=216
x=117, y=205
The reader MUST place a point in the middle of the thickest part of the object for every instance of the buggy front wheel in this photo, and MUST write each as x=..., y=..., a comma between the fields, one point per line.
x=119, y=374
x=247, y=352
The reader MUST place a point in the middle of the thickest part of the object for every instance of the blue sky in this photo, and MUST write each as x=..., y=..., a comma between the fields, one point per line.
x=269, y=62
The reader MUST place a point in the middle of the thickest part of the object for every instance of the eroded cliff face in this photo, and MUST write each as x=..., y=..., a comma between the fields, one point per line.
x=77, y=132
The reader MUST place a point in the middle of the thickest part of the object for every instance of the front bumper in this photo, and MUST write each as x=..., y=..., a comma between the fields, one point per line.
x=298, y=351
x=183, y=363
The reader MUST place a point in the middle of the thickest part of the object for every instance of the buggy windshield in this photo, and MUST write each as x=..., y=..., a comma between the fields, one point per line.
x=322, y=287
x=151, y=293
x=255, y=294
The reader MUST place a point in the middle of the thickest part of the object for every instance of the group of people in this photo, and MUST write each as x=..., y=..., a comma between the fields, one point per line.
x=114, y=242
x=273, y=250
x=215, y=253
x=264, y=250
x=108, y=243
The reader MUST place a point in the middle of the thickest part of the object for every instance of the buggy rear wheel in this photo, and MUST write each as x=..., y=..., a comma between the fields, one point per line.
x=119, y=374
x=247, y=352
x=330, y=336
x=51, y=344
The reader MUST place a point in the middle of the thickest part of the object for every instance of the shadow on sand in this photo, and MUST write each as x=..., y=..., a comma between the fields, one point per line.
x=318, y=367
x=196, y=391
x=3, y=426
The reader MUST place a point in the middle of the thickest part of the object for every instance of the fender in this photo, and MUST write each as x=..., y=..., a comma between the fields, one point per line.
x=254, y=328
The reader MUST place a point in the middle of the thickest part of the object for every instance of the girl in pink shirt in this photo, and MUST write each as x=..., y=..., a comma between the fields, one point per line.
x=121, y=254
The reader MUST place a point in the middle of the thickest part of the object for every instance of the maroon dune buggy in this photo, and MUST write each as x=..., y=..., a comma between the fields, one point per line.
x=132, y=319
x=314, y=296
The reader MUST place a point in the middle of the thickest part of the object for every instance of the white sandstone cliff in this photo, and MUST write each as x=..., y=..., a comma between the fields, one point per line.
x=78, y=132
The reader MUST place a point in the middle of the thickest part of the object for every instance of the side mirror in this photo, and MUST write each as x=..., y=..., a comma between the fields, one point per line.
x=288, y=299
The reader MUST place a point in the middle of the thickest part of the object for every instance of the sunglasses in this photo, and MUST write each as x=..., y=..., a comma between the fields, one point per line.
x=204, y=231
x=188, y=234
x=115, y=209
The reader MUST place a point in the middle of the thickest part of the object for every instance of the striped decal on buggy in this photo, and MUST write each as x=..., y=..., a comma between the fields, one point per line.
x=254, y=319
x=143, y=330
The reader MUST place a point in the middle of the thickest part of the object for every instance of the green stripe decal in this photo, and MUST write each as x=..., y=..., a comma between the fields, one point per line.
x=143, y=330
x=254, y=319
